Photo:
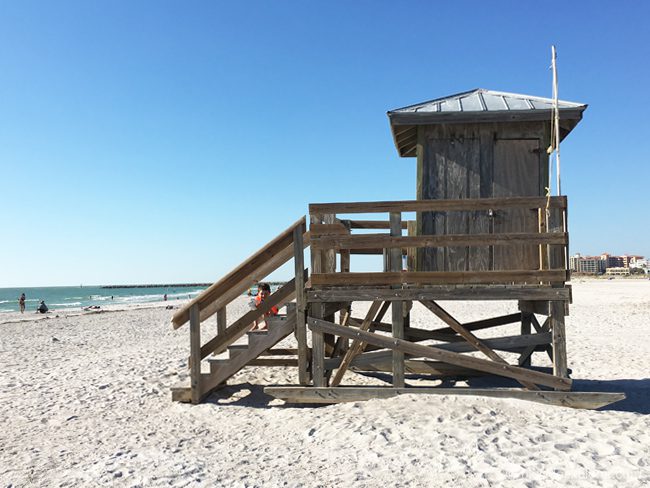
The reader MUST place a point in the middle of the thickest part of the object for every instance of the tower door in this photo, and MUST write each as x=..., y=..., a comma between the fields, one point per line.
x=516, y=174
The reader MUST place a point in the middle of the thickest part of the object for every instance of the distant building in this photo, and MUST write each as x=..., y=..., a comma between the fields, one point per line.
x=606, y=262
x=612, y=261
x=640, y=263
x=587, y=264
x=628, y=260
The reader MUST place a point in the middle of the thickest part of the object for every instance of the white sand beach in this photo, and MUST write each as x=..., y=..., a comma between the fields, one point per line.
x=85, y=401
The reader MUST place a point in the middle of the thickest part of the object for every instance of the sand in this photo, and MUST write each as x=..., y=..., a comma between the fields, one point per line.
x=85, y=401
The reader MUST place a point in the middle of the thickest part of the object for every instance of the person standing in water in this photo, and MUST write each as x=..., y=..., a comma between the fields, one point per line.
x=21, y=302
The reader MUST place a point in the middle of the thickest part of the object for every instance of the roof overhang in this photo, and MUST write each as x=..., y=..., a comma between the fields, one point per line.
x=456, y=109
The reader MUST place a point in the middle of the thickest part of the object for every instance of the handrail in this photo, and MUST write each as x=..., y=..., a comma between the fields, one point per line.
x=282, y=295
x=235, y=279
x=466, y=204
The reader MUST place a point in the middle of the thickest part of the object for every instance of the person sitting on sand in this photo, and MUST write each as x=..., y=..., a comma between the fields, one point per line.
x=21, y=302
x=42, y=307
x=264, y=290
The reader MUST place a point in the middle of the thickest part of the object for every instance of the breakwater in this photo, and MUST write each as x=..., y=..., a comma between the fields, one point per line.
x=170, y=285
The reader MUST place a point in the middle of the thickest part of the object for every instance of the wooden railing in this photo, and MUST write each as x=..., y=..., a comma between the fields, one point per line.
x=277, y=252
x=289, y=244
x=543, y=252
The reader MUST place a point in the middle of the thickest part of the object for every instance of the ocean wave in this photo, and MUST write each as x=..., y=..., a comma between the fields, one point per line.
x=6, y=301
x=7, y=310
x=74, y=304
x=138, y=298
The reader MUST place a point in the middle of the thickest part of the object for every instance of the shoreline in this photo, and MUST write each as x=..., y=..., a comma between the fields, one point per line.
x=33, y=316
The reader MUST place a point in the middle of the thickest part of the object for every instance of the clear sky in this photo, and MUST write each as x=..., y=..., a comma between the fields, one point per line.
x=166, y=141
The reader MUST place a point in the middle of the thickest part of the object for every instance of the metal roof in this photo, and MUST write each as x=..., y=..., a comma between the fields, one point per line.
x=477, y=106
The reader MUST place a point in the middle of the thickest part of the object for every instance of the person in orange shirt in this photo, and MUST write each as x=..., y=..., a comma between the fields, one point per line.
x=263, y=291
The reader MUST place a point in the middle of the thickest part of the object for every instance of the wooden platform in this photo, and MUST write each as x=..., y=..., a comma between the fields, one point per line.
x=587, y=400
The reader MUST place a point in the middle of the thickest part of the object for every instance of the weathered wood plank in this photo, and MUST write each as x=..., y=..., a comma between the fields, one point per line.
x=301, y=306
x=318, y=357
x=560, y=368
x=433, y=369
x=437, y=277
x=195, y=354
x=465, y=204
x=222, y=324
x=374, y=241
x=397, y=308
x=236, y=348
x=371, y=224
x=586, y=400
x=439, y=293
x=274, y=362
x=526, y=329
x=418, y=350
x=337, y=228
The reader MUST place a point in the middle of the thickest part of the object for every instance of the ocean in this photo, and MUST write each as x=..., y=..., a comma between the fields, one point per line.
x=76, y=297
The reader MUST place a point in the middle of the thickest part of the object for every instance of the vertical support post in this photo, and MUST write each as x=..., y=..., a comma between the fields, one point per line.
x=222, y=321
x=397, y=307
x=543, y=248
x=411, y=252
x=301, y=327
x=329, y=266
x=316, y=254
x=526, y=322
x=559, y=339
x=565, y=228
x=318, y=358
x=315, y=309
x=222, y=324
x=345, y=268
x=195, y=353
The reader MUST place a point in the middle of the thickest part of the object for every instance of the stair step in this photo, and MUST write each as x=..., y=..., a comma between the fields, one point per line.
x=258, y=343
x=216, y=364
x=236, y=349
x=239, y=348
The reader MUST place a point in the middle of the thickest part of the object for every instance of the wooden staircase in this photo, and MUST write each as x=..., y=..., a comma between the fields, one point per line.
x=213, y=301
x=259, y=341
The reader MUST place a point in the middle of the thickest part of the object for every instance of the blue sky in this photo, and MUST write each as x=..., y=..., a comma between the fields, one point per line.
x=166, y=141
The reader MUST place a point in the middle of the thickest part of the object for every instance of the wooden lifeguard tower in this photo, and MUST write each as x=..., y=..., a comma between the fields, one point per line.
x=484, y=229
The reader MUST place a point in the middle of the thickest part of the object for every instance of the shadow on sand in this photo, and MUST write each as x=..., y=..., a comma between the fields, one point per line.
x=637, y=393
x=250, y=395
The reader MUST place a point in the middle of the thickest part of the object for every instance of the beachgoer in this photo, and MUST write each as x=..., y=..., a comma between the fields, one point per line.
x=165, y=297
x=264, y=290
x=42, y=307
x=21, y=302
